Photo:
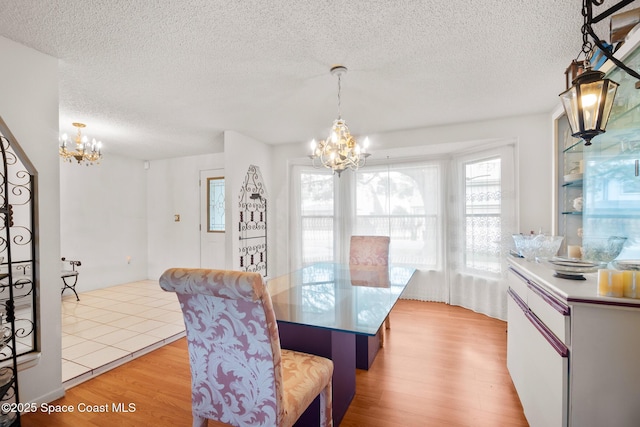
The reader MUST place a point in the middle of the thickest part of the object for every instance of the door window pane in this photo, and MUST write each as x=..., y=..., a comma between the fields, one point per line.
x=215, y=204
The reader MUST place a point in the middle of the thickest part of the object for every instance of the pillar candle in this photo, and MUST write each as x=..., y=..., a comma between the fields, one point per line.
x=603, y=282
x=617, y=284
x=574, y=251
x=629, y=283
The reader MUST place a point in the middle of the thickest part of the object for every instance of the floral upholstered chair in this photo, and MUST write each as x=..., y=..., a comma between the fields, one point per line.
x=239, y=373
x=371, y=251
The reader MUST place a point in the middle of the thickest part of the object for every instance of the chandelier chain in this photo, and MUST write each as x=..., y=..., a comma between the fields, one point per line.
x=339, y=98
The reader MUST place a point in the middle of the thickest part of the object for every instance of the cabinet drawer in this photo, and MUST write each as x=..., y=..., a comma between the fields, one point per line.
x=553, y=312
x=518, y=283
x=550, y=309
x=539, y=366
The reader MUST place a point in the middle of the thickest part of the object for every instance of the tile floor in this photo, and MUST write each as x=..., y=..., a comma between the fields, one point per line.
x=111, y=326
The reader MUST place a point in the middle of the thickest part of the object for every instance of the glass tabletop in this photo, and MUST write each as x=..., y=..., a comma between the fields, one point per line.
x=338, y=296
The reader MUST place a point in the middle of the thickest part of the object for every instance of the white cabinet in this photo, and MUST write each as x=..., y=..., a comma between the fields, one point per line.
x=537, y=360
x=573, y=356
x=605, y=360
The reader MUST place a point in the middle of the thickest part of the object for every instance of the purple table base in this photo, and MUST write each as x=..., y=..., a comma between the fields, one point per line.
x=366, y=350
x=340, y=347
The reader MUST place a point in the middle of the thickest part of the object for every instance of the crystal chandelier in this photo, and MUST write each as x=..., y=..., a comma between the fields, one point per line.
x=83, y=151
x=340, y=150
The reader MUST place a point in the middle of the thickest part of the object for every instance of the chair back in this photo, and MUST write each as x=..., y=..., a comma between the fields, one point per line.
x=234, y=348
x=369, y=250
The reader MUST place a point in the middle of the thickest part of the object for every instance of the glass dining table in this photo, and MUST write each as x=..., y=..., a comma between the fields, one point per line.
x=335, y=311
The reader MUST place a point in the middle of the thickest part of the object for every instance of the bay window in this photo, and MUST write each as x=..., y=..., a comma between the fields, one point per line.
x=451, y=218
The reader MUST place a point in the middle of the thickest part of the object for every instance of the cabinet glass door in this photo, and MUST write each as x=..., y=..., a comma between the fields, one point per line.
x=570, y=172
x=611, y=178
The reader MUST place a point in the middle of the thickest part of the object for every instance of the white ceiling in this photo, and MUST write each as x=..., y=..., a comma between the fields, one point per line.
x=164, y=78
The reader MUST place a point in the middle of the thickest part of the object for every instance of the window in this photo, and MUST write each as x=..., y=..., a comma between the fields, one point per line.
x=402, y=202
x=215, y=205
x=450, y=217
x=482, y=215
x=316, y=216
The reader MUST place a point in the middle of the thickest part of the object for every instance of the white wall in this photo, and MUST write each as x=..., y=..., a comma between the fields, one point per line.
x=103, y=220
x=172, y=188
x=534, y=169
x=535, y=157
x=29, y=106
x=240, y=152
x=136, y=209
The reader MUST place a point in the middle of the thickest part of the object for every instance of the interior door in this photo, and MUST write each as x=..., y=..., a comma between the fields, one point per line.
x=212, y=243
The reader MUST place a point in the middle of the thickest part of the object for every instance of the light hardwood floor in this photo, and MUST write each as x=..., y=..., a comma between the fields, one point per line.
x=441, y=366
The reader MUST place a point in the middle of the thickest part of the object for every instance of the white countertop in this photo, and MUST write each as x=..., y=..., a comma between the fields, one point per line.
x=585, y=291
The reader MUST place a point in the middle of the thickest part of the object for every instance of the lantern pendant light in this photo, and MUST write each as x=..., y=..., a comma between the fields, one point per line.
x=588, y=104
x=589, y=100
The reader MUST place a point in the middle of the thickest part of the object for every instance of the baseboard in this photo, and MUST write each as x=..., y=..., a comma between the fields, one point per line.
x=49, y=397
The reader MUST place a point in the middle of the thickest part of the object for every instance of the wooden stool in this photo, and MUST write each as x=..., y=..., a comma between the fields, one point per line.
x=68, y=274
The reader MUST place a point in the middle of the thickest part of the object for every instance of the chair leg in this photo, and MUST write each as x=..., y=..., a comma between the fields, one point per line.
x=382, y=331
x=199, y=421
x=72, y=286
x=326, y=407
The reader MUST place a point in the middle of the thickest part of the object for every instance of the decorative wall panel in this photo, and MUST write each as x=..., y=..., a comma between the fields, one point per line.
x=253, y=223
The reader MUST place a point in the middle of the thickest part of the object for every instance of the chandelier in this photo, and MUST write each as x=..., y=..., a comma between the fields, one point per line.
x=589, y=100
x=340, y=150
x=83, y=151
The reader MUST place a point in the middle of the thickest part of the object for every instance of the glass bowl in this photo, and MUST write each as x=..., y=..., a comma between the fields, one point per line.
x=602, y=249
x=532, y=246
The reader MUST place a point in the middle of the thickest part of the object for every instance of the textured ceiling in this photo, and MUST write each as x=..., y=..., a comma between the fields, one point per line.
x=156, y=79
